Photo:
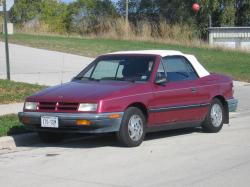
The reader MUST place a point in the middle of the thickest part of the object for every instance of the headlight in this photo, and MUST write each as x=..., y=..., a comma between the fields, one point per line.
x=87, y=107
x=30, y=105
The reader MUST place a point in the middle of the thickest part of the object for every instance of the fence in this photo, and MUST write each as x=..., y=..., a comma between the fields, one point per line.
x=232, y=37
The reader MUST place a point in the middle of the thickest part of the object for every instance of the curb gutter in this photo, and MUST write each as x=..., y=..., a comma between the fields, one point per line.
x=11, y=142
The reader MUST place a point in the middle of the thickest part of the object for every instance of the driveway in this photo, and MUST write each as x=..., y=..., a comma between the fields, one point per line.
x=41, y=66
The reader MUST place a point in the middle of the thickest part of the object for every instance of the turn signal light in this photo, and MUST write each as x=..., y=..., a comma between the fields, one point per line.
x=83, y=122
x=25, y=120
x=114, y=116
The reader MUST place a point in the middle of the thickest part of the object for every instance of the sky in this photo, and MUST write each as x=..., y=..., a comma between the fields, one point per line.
x=68, y=1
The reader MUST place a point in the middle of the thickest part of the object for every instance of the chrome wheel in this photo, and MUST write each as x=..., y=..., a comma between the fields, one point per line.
x=135, y=128
x=216, y=115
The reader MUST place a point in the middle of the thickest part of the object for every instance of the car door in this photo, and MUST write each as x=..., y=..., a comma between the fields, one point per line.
x=178, y=100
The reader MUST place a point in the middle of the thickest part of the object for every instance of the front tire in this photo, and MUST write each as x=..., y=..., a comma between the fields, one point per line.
x=132, y=130
x=50, y=137
x=215, y=117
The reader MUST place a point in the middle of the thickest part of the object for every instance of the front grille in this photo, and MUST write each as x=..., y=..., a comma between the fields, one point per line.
x=47, y=105
x=67, y=106
x=58, y=106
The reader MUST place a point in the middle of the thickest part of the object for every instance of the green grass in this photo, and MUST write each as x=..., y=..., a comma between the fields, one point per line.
x=11, y=92
x=9, y=125
x=233, y=63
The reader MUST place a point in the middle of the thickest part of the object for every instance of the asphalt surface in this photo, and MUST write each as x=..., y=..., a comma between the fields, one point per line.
x=184, y=157
x=41, y=66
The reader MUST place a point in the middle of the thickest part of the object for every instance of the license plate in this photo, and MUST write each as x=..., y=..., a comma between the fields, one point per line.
x=50, y=122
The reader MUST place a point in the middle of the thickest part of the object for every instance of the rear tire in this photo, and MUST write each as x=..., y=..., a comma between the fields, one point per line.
x=215, y=117
x=50, y=137
x=132, y=130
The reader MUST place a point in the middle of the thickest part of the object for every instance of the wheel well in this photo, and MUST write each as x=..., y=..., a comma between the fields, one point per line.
x=225, y=106
x=142, y=107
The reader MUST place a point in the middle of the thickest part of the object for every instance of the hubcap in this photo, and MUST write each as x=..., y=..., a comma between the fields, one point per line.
x=135, y=128
x=216, y=115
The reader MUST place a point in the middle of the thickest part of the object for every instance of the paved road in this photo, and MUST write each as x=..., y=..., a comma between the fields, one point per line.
x=41, y=66
x=175, y=158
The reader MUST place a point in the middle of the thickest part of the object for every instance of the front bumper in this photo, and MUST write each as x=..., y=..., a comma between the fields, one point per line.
x=232, y=105
x=100, y=123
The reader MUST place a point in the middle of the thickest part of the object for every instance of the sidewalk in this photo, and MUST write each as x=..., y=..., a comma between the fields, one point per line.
x=10, y=108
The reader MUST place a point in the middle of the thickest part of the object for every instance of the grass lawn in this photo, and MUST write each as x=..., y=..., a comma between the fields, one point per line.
x=16, y=91
x=233, y=63
x=9, y=125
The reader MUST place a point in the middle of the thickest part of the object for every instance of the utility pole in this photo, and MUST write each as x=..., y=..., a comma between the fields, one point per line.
x=210, y=20
x=6, y=40
x=127, y=16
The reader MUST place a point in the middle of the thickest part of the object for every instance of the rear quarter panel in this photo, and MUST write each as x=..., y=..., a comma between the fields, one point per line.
x=216, y=85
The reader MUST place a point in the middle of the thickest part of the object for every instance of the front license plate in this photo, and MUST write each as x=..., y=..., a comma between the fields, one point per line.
x=50, y=122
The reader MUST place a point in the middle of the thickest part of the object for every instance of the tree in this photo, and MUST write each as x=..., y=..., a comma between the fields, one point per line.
x=133, y=6
x=25, y=10
x=228, y=12
x=243, y=13
x=54, y=14
x=88, y=16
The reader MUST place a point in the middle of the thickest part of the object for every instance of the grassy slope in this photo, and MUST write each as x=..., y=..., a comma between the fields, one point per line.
x=15, y=91
x=236, y=64
x=9, y=125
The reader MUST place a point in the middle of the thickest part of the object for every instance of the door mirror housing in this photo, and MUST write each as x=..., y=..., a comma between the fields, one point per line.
x=161, y=81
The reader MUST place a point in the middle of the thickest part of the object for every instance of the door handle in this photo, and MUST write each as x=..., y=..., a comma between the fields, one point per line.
x=193, y=90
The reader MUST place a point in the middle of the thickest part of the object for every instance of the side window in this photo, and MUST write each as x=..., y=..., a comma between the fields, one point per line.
x=192, y=74
x=178, y=69
x=160, y=72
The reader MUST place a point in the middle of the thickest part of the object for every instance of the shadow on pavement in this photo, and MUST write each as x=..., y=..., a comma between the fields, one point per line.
x=94, y=141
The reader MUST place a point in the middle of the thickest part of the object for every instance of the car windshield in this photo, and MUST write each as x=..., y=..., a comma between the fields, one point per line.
x=119, y=68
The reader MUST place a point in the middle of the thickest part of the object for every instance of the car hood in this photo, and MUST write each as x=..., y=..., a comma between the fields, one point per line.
x=84, y=91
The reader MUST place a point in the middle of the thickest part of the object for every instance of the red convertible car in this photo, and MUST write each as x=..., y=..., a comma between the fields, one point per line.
x=131, y=93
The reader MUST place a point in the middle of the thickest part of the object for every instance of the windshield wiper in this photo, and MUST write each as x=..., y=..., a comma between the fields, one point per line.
x=130, y=80
x=111, y=79
x=87, y=78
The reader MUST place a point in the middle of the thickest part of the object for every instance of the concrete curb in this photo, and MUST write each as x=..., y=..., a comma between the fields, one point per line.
x=11, y=142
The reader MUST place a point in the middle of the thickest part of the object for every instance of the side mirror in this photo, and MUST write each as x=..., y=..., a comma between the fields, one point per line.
x=161, y=81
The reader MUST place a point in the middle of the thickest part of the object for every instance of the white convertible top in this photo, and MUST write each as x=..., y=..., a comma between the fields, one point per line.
x=201, y=71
